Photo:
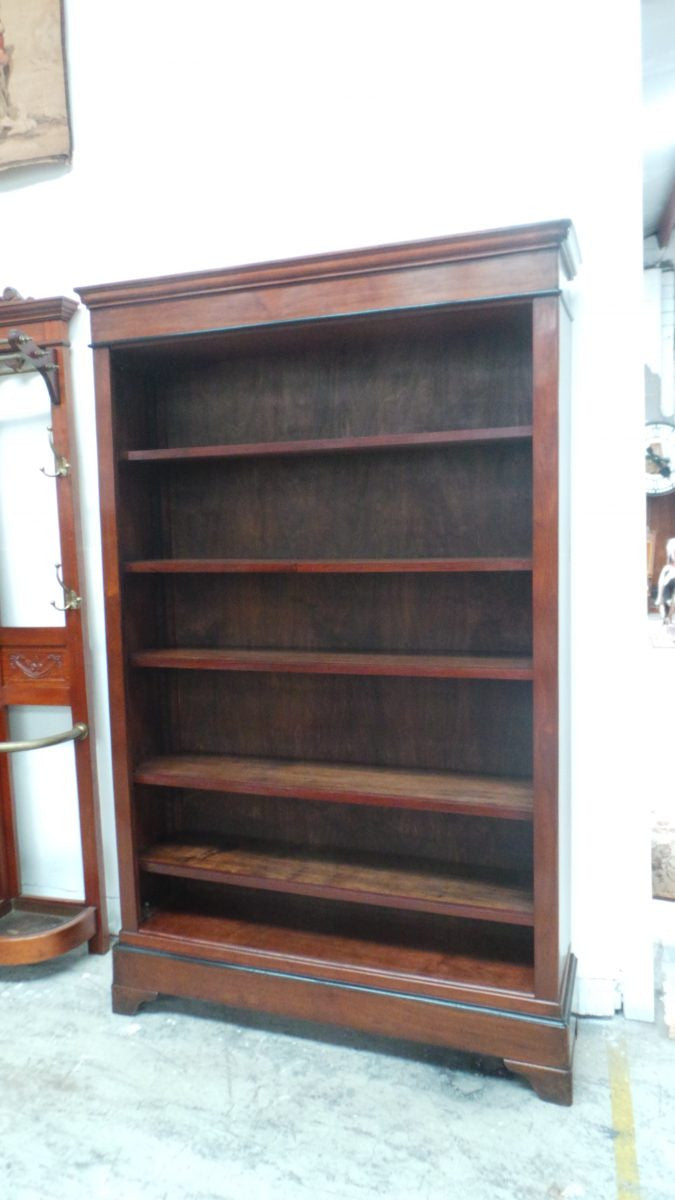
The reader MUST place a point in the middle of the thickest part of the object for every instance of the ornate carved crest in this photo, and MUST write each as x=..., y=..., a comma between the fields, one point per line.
x=38, y=665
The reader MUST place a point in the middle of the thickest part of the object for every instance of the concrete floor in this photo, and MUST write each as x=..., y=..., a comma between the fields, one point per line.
x=186, y=1102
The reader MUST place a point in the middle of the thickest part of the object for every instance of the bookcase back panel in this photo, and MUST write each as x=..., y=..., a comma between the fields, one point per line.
x=151, y=711
x=479, y=613
x=468, y=726
x=134, y=390
x=405, y=373
x=443, y=837
x=141, y=518
x=470, y=501
x=145, y=610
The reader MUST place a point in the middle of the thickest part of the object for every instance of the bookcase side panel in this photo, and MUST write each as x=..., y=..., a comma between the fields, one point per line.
x=546, y=356
x=121, y=756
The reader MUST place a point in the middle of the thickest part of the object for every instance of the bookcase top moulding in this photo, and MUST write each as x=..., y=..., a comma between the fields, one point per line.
x=530, y=260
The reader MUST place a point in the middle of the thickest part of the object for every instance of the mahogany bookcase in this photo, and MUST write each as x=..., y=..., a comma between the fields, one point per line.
x=329, y=495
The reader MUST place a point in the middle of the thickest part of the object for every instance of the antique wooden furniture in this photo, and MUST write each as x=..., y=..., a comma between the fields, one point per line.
x=46, y=666
x=330, y=509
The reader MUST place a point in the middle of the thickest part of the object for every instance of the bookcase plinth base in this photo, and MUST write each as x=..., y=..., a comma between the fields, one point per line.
x=538, y=1048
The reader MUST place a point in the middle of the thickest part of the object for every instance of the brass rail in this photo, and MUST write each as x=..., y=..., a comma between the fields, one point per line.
x=76, y=734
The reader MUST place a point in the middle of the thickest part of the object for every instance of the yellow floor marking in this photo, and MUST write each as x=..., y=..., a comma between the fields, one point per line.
x=625, y=1156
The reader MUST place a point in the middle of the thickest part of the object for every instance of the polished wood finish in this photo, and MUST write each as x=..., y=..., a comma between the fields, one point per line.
x=545, y=638
x=459, y=1024
x=57, y=927
x=488, y=266
x=331, y=445
x=313, y=663
x=550, y=1083
x=127, y=1000
x=416, y=886
x=34, y=666
x=341, y=783
x=349, y=566
x=48, y=666
x=10, y=883
x=329, y=501
x=437, y=957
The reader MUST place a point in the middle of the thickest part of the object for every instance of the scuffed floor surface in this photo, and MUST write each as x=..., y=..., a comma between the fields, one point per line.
x=190, y=1102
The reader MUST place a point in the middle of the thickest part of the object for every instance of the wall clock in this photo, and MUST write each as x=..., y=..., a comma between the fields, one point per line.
x=659, y=458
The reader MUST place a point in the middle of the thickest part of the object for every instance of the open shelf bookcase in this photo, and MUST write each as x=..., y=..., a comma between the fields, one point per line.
x=329, y=493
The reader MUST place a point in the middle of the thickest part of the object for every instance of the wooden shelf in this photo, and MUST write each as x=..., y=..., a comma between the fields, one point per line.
x=436, y=666
x=382, y=441
x=300, y=935
x=389, y=882
x=424, y=790
x=224, y=566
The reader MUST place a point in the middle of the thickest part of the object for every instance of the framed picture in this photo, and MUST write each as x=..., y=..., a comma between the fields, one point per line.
x=34, y=118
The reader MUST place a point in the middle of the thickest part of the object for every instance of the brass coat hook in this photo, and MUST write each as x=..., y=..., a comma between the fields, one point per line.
x=60, y=462
x=24, y=355
x=72, y=600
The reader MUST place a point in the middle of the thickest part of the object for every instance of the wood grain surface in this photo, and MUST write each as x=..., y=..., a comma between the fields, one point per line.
x=381, y=441
x=396, y=883
x=220, y=566
x=442, y=792
x=315, y=663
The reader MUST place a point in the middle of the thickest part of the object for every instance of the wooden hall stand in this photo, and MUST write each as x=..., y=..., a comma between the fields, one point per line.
x=46, y=666
x=330, y=512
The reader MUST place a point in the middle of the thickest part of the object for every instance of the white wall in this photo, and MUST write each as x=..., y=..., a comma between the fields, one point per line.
x=218, y=133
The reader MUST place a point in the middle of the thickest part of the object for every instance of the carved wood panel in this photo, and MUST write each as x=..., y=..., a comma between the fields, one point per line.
x=34, y=673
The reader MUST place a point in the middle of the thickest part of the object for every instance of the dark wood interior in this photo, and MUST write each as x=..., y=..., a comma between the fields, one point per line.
x=409, y=372
x=481, y=614
x=470, y=726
